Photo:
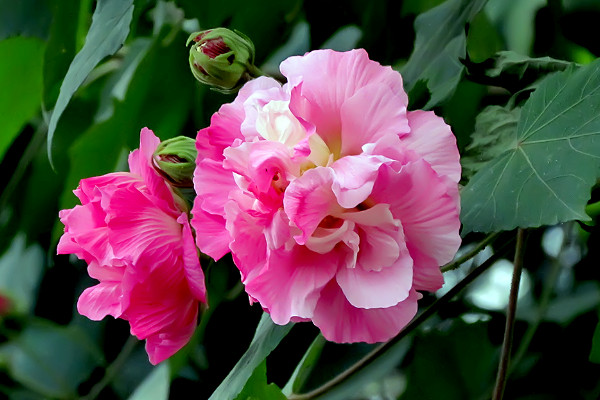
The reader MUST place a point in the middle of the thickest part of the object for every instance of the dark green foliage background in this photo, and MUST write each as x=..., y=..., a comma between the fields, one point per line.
x=473, y=62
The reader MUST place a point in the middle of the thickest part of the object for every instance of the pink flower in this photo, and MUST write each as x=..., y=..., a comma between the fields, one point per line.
x=134, y=234
x=337, y=204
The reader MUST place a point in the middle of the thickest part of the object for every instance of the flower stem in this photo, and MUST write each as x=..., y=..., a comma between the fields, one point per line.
x=466, y=257
x=549, y=285
x=113, y=369
x=415, y=323
x=510, y=317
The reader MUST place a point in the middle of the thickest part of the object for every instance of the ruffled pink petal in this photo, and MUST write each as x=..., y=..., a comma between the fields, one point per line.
x=249, y=246
x=373, y=112
x=432, y=139
x=290, y=284
x=308, y=199
x=160, y=302
x=225, y=125
x=88, y=192
x=223, y=130
x=262, y=162
x=163, y=345
x=191, y=261
x=426, y=272
x=101, y=300
x=385, y=280
x=156, y=233
x=354, y=178
x=381, y=248
x=328, y=79
x=341, y=322
x=212, y=185
x=419, y=199
x=212, y=237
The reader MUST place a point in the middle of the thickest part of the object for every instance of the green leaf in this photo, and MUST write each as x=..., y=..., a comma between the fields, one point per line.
x=516, y=20
x=62, y=45
x=21, y=270
x=21, y=83
x=50, y=359
x=544, y=176
x=336, y=359
x=468, y=359
x=439, y=46
x=344, y=39
x=25, y=18
x=257, y=388
x=513, y=71
x=595, y=351
x=483, y=40
x=267, y=337
x=306, y=365
x=155, y=386
x=110, y=27
x=494, y=131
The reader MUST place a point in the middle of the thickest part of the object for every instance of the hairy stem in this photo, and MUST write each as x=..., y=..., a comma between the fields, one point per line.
x=510, y=318
x=415, y=323
x=470, y=254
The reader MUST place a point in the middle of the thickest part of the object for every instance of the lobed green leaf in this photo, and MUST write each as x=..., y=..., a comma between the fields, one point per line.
x=545, y=174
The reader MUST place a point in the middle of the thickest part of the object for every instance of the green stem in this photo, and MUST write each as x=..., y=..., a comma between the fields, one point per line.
x=541, y=311
x=415, y=323
x=112, y=369
x=467, y=256
x=510, y=317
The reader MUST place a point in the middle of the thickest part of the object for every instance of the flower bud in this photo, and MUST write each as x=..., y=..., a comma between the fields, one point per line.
x=175, y=160
x=222, y=58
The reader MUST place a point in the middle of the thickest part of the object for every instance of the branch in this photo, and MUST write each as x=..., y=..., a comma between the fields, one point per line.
x=510, y=317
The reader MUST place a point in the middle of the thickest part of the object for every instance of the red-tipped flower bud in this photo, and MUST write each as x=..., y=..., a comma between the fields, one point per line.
x=175, y=159
x=222, y=58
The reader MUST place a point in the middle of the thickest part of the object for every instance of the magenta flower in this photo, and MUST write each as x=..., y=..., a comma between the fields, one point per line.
x=337, y=204
x=134, y=234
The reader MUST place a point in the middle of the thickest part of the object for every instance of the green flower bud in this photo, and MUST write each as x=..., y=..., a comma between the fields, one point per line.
x=222, y=58
x=175, y=160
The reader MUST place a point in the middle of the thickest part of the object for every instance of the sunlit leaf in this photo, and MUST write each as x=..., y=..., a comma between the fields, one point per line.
x=21, y=83
x=21, y=269
x=267, y=337
x=50, y=359
x=257, y=388
x=110, y=27
x=155, y=386
x=545, y=174
x=439, y=46
x=344, y=39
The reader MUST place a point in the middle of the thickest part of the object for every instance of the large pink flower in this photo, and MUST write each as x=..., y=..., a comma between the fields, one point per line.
x=134, y=234
x=336, y=203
